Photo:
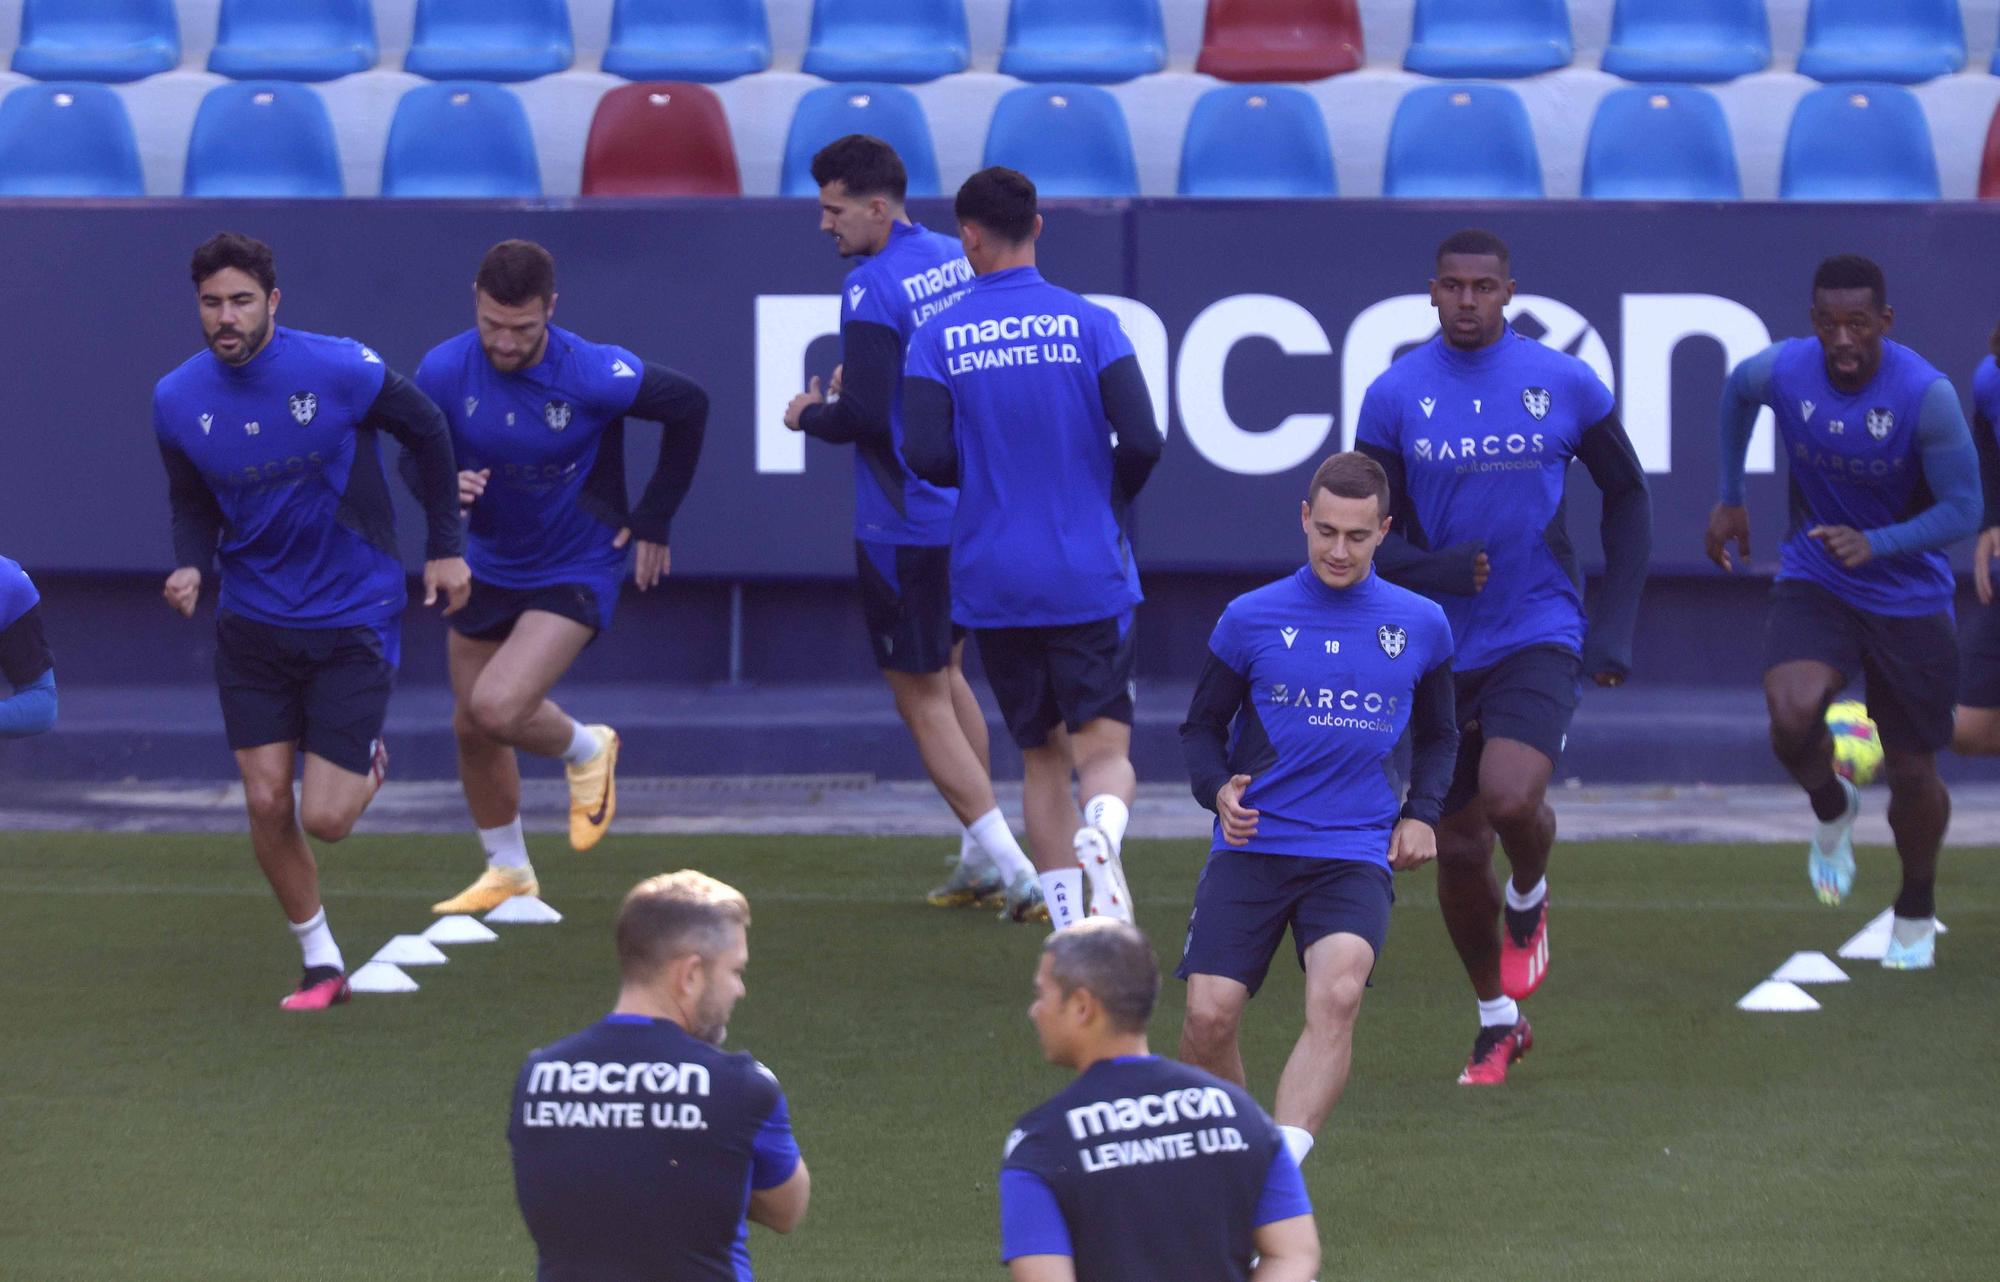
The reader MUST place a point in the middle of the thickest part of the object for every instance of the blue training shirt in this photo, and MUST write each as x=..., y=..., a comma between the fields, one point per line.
x=1485, y=440
x=17, y=593
x=636, y=1148
x=1038, y=541
x=1986, y=437
x=307, y=537
x=1146, y=1170
x=1894, y=460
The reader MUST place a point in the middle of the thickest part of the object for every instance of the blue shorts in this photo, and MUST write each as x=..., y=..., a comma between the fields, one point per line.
x=1908, y=664
x=1979, y=658
x=325, y=689
x=1528, y=697
x=906, y=601
x=1245, y=900
x=491, y=612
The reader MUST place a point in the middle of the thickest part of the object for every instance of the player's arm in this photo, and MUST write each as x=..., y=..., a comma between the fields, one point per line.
x=404, y=412
x=1951, y=471
x=680, y=407
x=1987, y=444
x=1743, y=395
x=779, y=1184
x=1128, y=407
x=1034, y=1237
x=1626, y=531
x=928, y=444
x=25, y=662
x=1433, y=744
x=197, y=517
x=871, y=360
x=1285, y=1236
x=1405, y=557
x=781, y=1207
x=1218, y=695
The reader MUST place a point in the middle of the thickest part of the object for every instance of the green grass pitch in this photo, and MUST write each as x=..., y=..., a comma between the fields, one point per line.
x=160, y=1119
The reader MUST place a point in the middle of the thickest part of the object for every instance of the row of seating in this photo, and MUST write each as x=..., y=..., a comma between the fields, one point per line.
x=471, y=139
x=910, y=41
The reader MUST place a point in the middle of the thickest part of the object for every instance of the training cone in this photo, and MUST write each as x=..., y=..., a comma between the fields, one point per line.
x=381, y=977
x=1872, y=940
x=458, y=929
x=410, y=950
x=1776, y=995
x=1809, y=968
x=524, y=910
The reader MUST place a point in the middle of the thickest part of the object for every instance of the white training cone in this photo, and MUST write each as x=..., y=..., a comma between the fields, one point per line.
x=458, y=929
x=381, y=977
x=1775, y=995
x=1872, y=940
x=524, y=910
x=1809, y=968
x=410, y=950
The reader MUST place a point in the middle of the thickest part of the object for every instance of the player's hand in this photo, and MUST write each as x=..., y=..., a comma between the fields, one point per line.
x=1239, y=822
x=833, y=384
x=1983, y=553
x=1412, y=844
x=1482, y=570
x=1608, y=680
x=651, y=562
x=451, y=576
x=1844, y=544
x=1727, y=521
x=183, y=590
x=471, y=485
x=795, y=412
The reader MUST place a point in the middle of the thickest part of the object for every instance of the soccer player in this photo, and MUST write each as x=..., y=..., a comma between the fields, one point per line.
x=1976, y=721
x=537, y=418
x=1309, y=685
x=642, y=1149
x=1142, y=1169
x=1884, y=476
x=902, y=524
x=1015, y=396
x=24, y=657
x=1476, y=429
x=274, y=474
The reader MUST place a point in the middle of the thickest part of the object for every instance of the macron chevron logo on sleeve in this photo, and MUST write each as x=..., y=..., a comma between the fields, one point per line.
x=1014, y=1139
x=855, y=294
x=619, y=369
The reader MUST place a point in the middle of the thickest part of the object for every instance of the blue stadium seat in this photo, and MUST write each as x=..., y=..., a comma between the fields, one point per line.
x=1500, y=38
x=705, y=41
x=1097, y=41
x=1660, y=142
x=1903, y=43
x=1859, y=142
x=1688, y=40
x=67, y=140
x=108, y=40
x=490, y=39
x=1256, y=140
x=889, y=112
x=268, y=138
x=1462, y=141
x=293, y=39
x=461, y=139
x=902, y=41
x=1070, y=139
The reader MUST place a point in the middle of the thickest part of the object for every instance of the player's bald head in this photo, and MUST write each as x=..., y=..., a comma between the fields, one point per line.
x=674, y=915
x=1110, y=960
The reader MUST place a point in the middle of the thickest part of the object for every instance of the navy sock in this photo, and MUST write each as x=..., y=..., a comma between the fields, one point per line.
x=1917, y=900
x=1829, y=800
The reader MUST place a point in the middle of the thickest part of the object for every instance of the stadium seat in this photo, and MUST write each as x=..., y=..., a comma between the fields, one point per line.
x=660, y=139
x=1070, y=139
x=1256, y=140
x=700, y=40
x=490, y=39
x=1903, y=43
x=461, y=139
x=1989, y=161
x=1462, y=141
x=1096, y=41
x=67, y=139
x=1859, y=142
x=262, y=138
x=1500, y=38
x=889, y=112
x=901, y=41
x=107, y=40
x=1660, y=142
x=1259, y=40
x=293, y=39
x=1688, y=40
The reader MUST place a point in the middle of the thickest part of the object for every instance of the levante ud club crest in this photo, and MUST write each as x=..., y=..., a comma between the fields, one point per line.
x=1880, y=423
x=556, y=415
x=1393, y=639
x=304, y=406
x=1536, y=399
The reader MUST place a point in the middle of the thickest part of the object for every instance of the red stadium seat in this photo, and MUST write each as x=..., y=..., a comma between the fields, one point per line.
x=1989, y=162
x=1260, y=40
x=660, y=138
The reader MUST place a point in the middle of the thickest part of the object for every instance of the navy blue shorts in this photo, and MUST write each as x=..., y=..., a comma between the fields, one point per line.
x=1245, y=900
x=325, y=689
x=1909, y=664
x=1528, y=697
x=491, y=612
x=1979, y=658
x=906, y=601
x=1068, y=675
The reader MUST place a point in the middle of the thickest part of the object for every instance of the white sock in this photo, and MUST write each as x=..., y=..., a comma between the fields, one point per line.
x=1520, y=902
x=970, y=857
x=584, y=744
x=1298, y=1142
x=316, y=942
x=505, y=846
x=1501, y=1010
x=996, y=841
x=1829, y=831
x=1062, y=891
x=1110, y=816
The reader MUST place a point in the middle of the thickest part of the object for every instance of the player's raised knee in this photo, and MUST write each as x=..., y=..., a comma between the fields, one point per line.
x=269, y=803
x=326, y=823
x=1209, y=1029
x=1509, y=805
x=1336, y=1001
x=499, y=716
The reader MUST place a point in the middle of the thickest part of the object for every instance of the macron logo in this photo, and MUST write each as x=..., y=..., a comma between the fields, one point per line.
x=1427, y=404
x=368, y=354
x=1805, y=410
x=619, y=369
x=1290, y=635
x=855, y=295
x=207, y=421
